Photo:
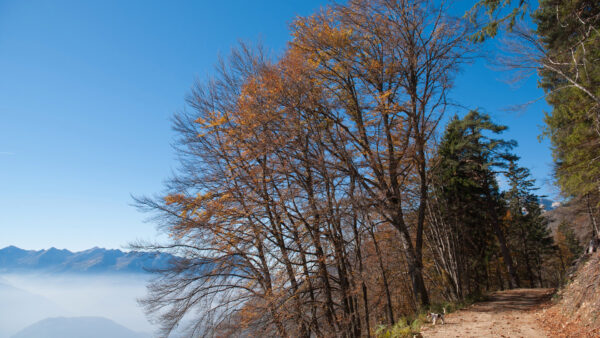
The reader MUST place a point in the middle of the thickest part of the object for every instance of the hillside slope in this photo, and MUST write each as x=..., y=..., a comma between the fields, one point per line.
x=577, y=313
x=574, y=214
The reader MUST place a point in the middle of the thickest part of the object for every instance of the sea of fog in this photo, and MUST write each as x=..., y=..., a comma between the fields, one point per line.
x=28, y=298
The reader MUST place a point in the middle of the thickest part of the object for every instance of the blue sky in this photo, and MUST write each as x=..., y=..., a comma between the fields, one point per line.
x=87, y=89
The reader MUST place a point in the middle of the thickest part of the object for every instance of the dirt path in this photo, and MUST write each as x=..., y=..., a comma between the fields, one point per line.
x=506, y=314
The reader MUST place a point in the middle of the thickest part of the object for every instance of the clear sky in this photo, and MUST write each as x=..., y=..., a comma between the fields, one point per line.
x=87, y=89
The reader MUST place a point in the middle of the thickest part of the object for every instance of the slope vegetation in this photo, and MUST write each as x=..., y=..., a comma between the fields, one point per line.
x=577, y=313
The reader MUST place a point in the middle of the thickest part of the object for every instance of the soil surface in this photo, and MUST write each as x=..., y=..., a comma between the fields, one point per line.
x=512, y=313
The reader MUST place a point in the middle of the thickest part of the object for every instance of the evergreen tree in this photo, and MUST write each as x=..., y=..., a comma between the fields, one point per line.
x=569, y=33
x=468, y=197
x=527, y=227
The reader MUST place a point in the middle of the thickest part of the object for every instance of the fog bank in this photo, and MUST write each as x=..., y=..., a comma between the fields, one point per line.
x=28, y=298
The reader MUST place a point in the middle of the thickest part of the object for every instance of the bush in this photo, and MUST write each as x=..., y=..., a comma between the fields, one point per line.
x=403, y=328
x=410, y=326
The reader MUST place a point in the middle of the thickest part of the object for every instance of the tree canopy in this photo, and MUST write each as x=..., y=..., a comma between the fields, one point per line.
x=313, y=197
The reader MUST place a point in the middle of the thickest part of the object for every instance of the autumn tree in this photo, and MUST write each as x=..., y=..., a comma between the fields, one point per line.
x=307, y=194
x=267, y=223
x=386, y=68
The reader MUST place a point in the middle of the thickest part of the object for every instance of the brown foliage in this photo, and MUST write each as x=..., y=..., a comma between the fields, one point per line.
x=300, y=177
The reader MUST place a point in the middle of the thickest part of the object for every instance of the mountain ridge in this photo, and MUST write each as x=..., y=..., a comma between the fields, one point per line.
x=93, y=260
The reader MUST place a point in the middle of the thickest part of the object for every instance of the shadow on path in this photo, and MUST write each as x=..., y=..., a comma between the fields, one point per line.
x=514, y=300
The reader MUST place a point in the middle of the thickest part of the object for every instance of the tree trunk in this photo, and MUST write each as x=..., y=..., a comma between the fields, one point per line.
x=415, y=268
x=513, y=277
x=499, y=275
x=390, y=310
x=595, y=229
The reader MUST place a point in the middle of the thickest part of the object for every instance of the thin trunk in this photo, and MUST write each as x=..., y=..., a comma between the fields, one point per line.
x=487, y=277
x=421, y=221
x=315, y=235
x=336, y=237
x=595, y=229
x=277, y=232
x=415, y=268
x=499, y=274
x=440, y=240
x=269, y=288
x=513, y=277
x=563, y=269
x=529, y=271
x=308, y=279
x=528, y=268
x=358, y=245
x=302, y=329
x=386, y=287
x=366, y=307
x=329, y=306
x=539, y=271
x=307, y=276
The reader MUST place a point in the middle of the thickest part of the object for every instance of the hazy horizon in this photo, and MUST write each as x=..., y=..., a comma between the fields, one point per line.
x=40, y=296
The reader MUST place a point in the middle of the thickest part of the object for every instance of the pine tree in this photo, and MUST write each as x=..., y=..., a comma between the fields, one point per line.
x=527, y=227
x=468, y=197
x=569, y=32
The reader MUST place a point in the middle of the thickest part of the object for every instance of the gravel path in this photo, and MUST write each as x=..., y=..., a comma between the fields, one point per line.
x=511, y=313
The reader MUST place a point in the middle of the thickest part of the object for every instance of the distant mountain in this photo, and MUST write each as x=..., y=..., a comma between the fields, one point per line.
x=77, y=327
x=19, y=308
x=95, y=260
x=548, y=204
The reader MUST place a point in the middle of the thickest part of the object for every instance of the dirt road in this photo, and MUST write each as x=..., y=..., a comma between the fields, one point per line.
x=510, y=313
